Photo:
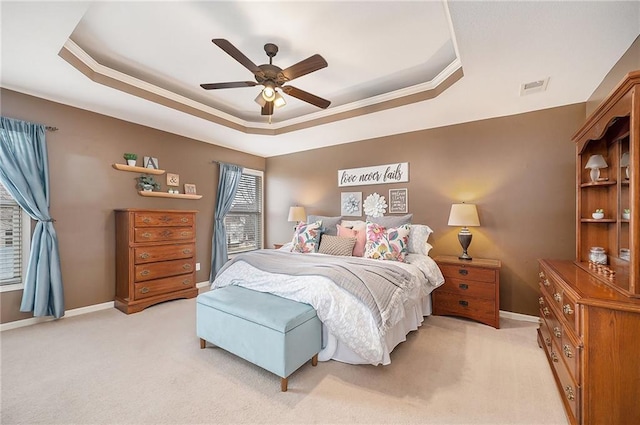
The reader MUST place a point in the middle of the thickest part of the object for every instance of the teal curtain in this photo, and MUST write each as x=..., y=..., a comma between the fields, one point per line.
x=227, y=187
x=24, y=172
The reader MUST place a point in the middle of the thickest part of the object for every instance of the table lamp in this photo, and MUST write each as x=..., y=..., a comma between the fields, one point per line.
x=297, y=214
x=596, y=162
x=464, y=215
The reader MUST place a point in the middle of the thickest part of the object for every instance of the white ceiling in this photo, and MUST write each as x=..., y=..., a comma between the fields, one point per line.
x=377, y=51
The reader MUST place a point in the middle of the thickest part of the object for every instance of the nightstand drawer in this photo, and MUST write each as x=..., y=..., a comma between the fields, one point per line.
x=469, y=288
x=470, y=273
x=482, y=310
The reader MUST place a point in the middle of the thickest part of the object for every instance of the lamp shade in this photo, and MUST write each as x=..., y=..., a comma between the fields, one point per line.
x=596, y=161
x=297, y=214
x=624, y=161
x=463, y=215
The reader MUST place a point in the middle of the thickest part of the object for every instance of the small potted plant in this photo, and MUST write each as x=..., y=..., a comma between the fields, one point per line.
x=131, y=158
x=598, y=214
x=147, y=183
x=626, y=214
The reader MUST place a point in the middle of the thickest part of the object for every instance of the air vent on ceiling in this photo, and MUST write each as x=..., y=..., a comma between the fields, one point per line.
x=534, y=86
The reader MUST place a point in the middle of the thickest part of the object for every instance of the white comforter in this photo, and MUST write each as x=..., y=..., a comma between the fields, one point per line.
x=345, y=316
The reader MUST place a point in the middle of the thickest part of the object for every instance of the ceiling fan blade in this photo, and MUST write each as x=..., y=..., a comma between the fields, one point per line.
x=306, y=96
x=304, y=67
x=267, y=109
x=212, y=86
x=232, y=51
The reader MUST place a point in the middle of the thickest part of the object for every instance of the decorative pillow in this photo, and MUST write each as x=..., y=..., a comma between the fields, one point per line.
x=336, y=245
x=418, y=237
x=360, y=235
x=354, y=224
x=306, y=237
x=391, y=221
x=328, y=223
x=387, y=244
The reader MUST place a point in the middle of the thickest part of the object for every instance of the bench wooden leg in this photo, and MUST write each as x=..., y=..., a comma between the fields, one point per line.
x=314, y=360
x=203, y=343
x=283, y=384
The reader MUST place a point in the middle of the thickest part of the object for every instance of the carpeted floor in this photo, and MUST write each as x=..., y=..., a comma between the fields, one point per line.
x=148, y=368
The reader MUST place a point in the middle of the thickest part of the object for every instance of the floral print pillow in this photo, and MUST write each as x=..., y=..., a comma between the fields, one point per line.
x=306, y=237
x=387, y=244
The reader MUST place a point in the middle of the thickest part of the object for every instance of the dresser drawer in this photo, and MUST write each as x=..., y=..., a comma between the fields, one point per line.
x=151, y=254
x=458, y=305
x=163, y=269
x=469, y=273
x=163, y=286
x=162, y=219
x=571, y=351
x=160, y=234
x=569, y=390
x=469, y=288
x=570, y=311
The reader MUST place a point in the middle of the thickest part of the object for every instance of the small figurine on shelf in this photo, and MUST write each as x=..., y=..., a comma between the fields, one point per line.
x=147, y=183
x=131, y=158
x=626, y=214
x=598, y=214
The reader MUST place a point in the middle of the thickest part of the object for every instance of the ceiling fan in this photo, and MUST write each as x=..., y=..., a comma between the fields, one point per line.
x=272, y=77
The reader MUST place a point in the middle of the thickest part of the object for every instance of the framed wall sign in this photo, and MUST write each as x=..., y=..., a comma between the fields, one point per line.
x=150, y=162
x=398, y=201
x=379, y=174
x=173, y=179
x=351, y=204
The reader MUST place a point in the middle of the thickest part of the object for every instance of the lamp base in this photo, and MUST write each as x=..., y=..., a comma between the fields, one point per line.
x=465, y=240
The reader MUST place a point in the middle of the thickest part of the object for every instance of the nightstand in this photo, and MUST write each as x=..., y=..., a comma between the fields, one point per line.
x=471, y=289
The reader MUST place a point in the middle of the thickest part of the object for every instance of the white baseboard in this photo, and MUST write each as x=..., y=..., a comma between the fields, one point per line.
x=518, y=316
x=202, y=284
x=69, y=313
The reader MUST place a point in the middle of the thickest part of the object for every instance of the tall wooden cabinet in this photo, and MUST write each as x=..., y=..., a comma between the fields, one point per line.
x=155, y=257
x=590, y=307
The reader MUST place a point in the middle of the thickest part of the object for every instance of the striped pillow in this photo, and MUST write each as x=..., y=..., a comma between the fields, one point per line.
x=336, y=245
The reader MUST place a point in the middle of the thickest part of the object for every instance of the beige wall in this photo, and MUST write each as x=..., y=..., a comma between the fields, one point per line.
x=85, y=190
x=630, y=61
x=519, y=170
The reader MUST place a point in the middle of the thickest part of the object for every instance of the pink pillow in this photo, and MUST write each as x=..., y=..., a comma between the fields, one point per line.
x=361, y=239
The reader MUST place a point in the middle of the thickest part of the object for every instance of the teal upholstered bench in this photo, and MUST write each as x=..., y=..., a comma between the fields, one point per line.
x=275, y=333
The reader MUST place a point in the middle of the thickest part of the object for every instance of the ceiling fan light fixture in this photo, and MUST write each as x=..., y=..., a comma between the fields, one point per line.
x=269, y=91
x=279, y=101
x=260, y=100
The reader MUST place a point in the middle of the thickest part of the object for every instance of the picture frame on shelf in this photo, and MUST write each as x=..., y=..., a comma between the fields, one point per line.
x=150, y=162
x=189, y=189
x=173, y=179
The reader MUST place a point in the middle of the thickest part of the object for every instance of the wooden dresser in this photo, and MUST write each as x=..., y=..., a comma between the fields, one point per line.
x=590, y=307
x=155, y=257
x=471, y=289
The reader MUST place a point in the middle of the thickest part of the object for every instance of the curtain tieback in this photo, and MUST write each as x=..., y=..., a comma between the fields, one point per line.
x=48, y=221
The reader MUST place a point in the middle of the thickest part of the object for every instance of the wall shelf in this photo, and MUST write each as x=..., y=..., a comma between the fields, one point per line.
x=134, y=169
x=168, y=195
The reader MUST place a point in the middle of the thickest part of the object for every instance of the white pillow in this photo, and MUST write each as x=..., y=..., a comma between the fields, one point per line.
x=358, y=225
x=418, y=237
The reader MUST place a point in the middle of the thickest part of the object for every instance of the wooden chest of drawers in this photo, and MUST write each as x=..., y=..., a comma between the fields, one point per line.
x=591, y=336
x=155, y=257
x=471, y=289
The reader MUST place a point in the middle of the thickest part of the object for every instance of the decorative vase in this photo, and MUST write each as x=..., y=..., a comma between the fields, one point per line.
x=147, y=188
x=598, y=216
x=626, y=216
x=131, y=162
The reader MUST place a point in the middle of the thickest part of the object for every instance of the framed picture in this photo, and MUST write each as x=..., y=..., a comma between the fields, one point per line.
x=351, y=204
x=173, y=179
x=398, y=200
x=150, y=162
x=189, y=189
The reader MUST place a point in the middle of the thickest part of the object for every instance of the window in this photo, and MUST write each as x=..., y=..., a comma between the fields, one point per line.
x=14, y=242
x=244, y=221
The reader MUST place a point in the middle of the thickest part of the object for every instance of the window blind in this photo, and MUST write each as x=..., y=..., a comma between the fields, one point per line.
x=243, y=223
x=10, y=239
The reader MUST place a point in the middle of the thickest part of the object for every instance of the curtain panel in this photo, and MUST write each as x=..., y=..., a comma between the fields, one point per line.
x=227, y=187
x=24, y=172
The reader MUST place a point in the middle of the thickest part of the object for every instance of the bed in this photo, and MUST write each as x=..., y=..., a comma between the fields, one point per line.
x=366, y=306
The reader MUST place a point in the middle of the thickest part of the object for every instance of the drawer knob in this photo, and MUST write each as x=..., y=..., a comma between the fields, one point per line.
x=146, y=220
x=463, y=303
x=569, y=392
x=557, y=332
x=186, y=251
x=546, y=311
x=557, y=297
x=185, y=233
x=546, y=282
x=144, y=290
x=554, y=357
x=541, y=301
x=186, y=266
x=541, y=274
x=144, y=272
x=567, y=351
x=567, y=309
x=463, y=272
x=145, y=255
x=186, y=282
x=463, y=286
x=146, y=235
x=548, y=341
x=166, y=233
x=165, y=218
x=184, y=219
